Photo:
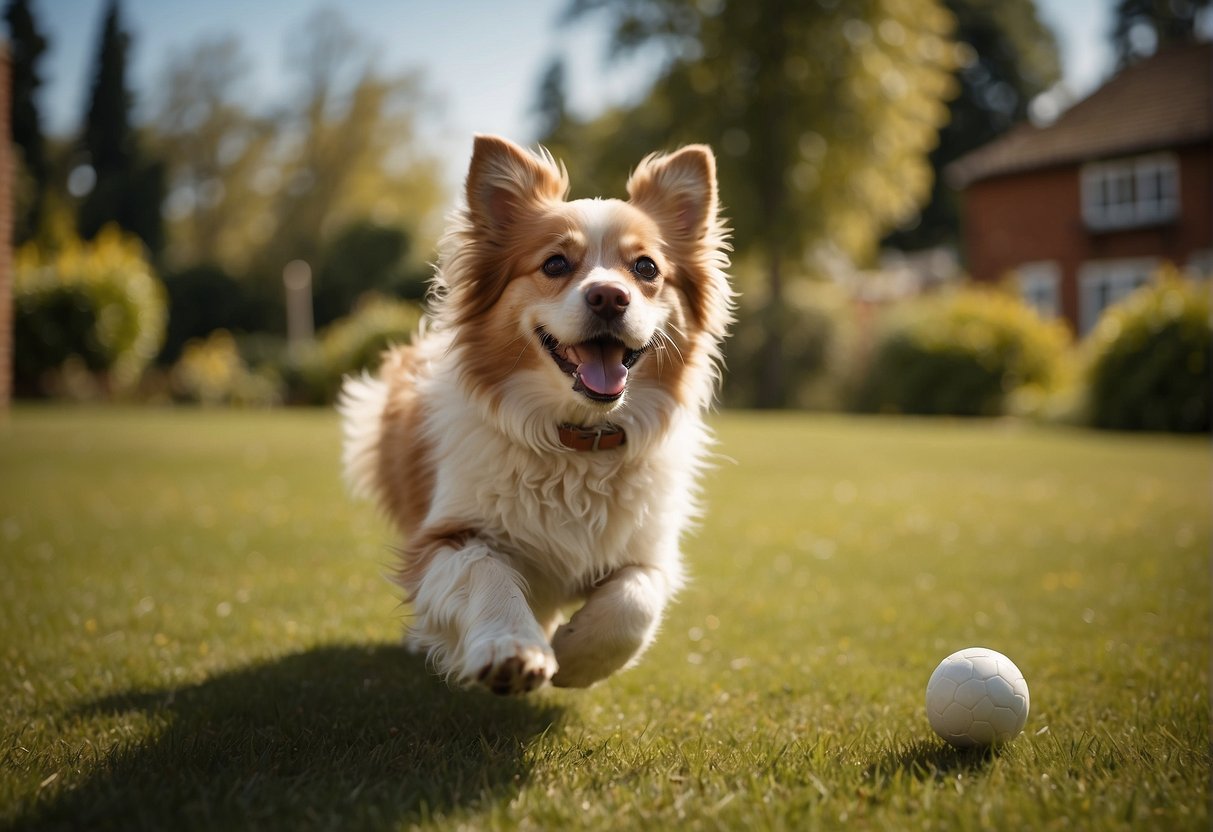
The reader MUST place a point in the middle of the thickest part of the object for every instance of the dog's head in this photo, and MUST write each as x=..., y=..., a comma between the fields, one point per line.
x=586, y=306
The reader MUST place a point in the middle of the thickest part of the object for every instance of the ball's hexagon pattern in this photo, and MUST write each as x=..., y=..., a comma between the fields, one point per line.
x=958, y=671
x=977, y=696
x=1000, y=691
x=971, y=692
x=983, y=711
x=981, y=733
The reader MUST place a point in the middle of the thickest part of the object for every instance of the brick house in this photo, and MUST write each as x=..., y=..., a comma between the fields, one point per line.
x=1084, y=210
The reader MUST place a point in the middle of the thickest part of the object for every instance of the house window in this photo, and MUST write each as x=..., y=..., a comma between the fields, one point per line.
x=1133, y=192
x=1103, y=283
x=1040, y=286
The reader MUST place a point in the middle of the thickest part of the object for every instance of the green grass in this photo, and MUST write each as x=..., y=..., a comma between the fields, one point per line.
x=196, y=634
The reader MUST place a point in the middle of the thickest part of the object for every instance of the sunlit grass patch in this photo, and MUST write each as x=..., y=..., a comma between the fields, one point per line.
x=197, y=634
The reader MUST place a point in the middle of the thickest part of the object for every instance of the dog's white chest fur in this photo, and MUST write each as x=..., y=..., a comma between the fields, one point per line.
x=570, y=517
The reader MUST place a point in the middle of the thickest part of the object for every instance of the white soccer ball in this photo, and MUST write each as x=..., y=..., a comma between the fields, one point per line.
x=977, y=697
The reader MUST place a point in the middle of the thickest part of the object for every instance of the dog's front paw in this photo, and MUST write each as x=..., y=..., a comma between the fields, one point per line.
x=586, y=657
x=509, y=667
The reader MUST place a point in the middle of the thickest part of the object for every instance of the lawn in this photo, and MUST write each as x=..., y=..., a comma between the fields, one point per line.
x=197, y=634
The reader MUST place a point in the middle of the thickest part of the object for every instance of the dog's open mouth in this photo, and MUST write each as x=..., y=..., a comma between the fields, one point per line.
x=599, y=367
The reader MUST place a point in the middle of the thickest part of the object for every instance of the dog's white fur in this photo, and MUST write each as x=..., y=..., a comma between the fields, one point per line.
x=512, y=528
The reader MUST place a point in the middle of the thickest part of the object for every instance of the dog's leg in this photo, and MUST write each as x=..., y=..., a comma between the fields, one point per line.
x=614, y=627
x=474, y=621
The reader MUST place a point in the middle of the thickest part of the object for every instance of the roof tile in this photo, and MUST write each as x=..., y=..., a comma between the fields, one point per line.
x=1165, y=100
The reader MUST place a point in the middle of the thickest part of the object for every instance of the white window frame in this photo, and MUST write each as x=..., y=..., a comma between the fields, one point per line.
x=1102, y=283
x=1131, y=192
x=1040, y=286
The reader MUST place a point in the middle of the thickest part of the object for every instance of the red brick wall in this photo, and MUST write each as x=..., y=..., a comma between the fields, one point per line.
x=1020, y=218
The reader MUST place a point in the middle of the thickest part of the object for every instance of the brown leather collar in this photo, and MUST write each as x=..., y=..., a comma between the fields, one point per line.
x=599, y=438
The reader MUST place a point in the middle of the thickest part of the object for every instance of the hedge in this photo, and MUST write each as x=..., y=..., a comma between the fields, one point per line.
x=1148, y=360
x=94, y=307
x=961, y=354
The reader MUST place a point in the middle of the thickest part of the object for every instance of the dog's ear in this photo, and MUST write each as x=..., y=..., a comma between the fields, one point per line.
x=678, y=190
x=504, y=180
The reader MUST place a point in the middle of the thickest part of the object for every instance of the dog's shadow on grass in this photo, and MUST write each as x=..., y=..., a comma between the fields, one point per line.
x=334, y=737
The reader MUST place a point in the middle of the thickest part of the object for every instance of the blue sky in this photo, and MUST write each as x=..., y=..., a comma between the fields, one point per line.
x=481, y=58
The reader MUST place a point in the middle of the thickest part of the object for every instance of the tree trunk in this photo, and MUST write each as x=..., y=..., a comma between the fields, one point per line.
x=770, y=108
x=771, y=393
x=6, y=233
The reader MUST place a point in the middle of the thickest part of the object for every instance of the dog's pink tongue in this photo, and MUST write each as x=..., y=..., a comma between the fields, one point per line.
x=600, y=366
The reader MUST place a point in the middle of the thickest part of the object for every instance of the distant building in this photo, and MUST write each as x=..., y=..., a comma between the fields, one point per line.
x=1084, y=210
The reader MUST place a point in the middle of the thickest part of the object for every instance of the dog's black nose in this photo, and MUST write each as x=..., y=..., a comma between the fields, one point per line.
x=608, y=300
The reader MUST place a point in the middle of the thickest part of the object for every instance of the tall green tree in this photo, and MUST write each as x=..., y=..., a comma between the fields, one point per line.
x=823, y=113
x=27, y=45
x=128, y=187
x=551, y=102
x=333, y=174
x=1141, y=27
x=1007, y=57
x=348, y=148
x=221, y=167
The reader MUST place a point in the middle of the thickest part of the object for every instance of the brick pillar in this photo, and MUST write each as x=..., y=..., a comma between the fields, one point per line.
x=6, y=231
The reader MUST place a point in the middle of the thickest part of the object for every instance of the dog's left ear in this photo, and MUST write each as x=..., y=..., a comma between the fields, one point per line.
x=678, y=190
x=504, y=180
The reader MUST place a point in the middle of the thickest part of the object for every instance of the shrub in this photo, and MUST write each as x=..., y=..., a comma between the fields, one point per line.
x=92, y=307
x=211, y=372
x=1148, y=360
x=351, y=344
x=364, y=256
x=961, y=354
x=818, y=339
x=203, y=298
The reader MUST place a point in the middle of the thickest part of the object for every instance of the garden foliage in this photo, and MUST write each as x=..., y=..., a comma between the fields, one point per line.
x=818, y=349
x=350, y=345
x=212, y=371
x=90, y=310
x=1149, y=359
x=961, y=354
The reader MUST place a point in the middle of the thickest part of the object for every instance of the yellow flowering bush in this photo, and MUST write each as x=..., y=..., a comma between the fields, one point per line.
x=211, y=371
x=1149, y=359
x=95, y=305
x=962, y=354
x=353, y=343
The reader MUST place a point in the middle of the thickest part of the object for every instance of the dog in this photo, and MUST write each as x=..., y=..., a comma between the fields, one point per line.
x=540, y=441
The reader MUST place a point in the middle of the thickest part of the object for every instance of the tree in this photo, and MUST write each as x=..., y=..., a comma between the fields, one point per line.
x=332, y=175
x=221, y=171
x=1143, y=26
x=346, y=149
x=363, y=257
x=823, y=112
x=551, y=101
x=27, y=45
x=128, y=189
x=355, y=150
x=1008, y=57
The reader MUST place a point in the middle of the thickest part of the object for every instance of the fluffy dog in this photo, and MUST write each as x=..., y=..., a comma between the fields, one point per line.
x=538, y=444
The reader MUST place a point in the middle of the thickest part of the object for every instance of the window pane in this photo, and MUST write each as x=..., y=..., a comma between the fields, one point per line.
x=1129, y=192
x=1122, y=188
x=1148, y=183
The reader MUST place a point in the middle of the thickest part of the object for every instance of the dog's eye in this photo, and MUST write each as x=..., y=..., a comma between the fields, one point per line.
x=645, y=268
x=556, y=266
